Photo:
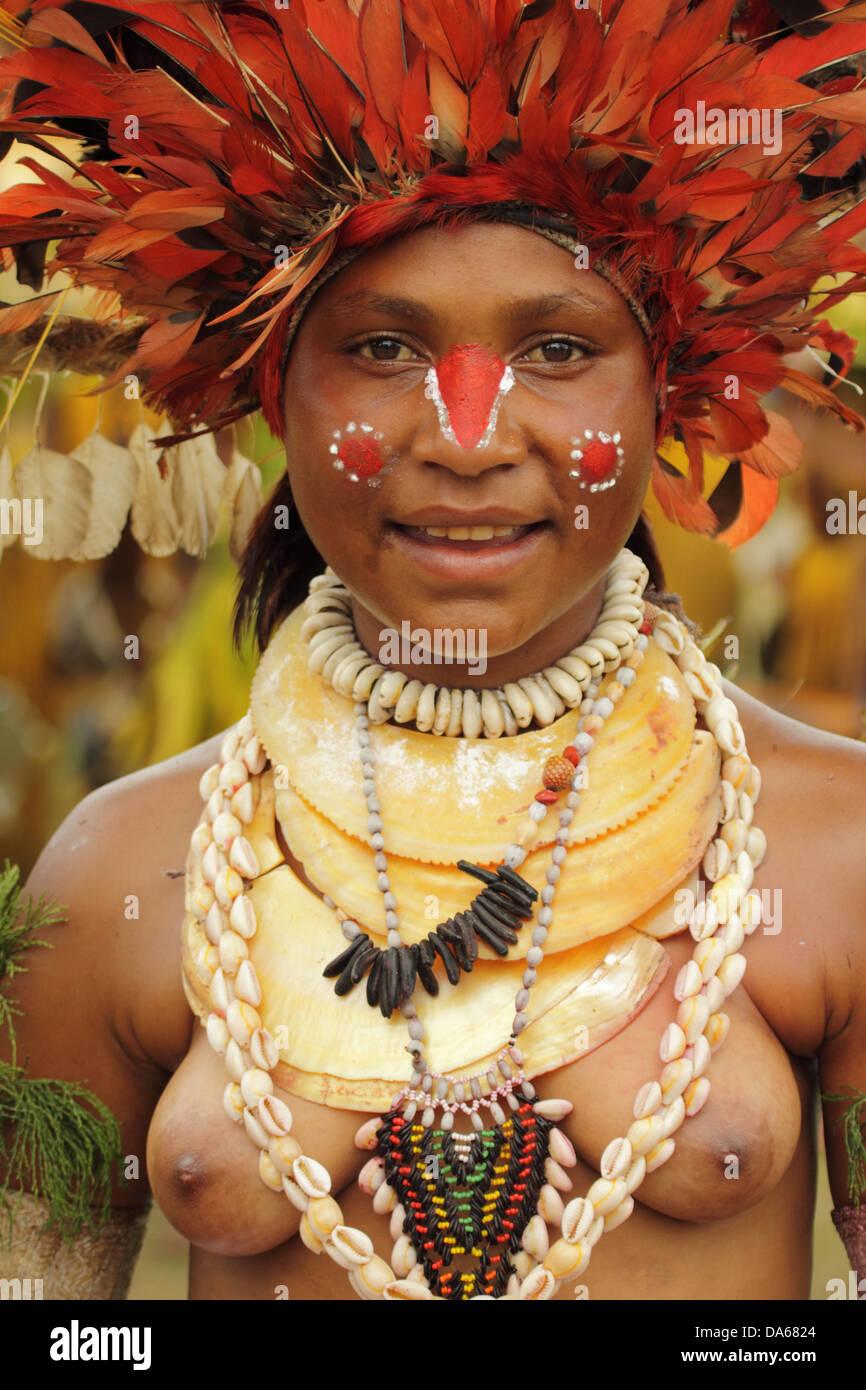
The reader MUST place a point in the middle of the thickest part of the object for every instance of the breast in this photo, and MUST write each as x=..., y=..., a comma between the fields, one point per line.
x=730, y=1155
x=728, y=1158
x=203, y=1169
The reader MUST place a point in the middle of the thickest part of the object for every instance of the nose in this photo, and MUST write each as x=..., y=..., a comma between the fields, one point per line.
x=469, y=426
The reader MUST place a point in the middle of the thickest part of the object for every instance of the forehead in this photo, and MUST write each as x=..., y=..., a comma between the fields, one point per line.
x=511, y=271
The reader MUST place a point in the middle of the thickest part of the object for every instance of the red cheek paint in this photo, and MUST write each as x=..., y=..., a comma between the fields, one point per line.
x=467, y=385
x=356, y=451
x=600, y=457
x=361, y=456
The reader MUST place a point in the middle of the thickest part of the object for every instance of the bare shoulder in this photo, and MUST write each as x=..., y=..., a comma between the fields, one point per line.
x=823, y=774
x=807, y=964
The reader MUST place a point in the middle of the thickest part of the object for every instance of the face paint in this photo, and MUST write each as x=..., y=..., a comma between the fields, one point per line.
x=359, y=453
x=467, y=386
x=600, y=457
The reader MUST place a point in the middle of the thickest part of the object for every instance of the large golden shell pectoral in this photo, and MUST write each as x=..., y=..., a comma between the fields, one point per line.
x=646, y=817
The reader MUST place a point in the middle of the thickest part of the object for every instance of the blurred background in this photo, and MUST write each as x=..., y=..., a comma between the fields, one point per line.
x=784, y=616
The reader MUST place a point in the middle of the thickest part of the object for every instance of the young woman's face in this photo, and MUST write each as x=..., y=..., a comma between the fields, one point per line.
x=379, y=451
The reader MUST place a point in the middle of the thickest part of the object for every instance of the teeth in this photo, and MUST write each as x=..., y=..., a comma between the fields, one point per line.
x=468, y=533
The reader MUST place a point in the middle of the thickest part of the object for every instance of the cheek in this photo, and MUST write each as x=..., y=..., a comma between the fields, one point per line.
x=334, y=447
x=597, y=459
x=356, y=451
x=610, y=435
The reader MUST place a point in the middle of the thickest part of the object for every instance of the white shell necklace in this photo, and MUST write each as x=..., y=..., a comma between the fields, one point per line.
x=336, y=653
x=718, y=924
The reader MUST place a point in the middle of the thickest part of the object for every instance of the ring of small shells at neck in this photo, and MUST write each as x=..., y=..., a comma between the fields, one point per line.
x=718, y=923
x=335, y=652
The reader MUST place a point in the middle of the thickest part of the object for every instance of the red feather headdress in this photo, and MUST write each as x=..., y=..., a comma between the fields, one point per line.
x=235, y=150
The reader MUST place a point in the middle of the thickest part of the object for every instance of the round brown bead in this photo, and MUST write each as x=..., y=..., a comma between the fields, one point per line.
x=558, y=772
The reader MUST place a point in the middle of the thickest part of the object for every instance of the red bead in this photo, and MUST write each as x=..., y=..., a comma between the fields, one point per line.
x=572, y=755
x=646, y=627
x=547, y=798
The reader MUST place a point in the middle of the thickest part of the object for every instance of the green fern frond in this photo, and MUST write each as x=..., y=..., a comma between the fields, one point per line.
x=58, y=1141
x=62, y=1144
x=853, y=1122
x=18, y=922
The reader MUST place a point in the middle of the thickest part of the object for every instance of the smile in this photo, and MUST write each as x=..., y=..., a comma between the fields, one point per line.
x=466, y=553
x=468, y=533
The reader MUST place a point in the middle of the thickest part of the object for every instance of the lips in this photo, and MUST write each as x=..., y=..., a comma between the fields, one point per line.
x=480, y=534
x=466, y=555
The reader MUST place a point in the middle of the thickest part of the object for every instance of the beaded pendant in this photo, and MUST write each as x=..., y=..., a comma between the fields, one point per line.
x=466, y=1195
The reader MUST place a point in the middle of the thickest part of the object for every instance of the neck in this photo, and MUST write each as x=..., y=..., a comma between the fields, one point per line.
x=464, y=660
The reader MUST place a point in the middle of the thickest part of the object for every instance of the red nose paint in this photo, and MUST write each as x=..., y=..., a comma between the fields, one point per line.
x=361, y=456
x=469, y=377
x=599, y=458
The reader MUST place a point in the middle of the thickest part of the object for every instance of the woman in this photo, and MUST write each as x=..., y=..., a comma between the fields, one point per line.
x=532, y=409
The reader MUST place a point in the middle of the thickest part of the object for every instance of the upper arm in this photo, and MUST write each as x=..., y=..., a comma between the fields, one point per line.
x=842, y=1057
x=67, y=994
x=843, y=1074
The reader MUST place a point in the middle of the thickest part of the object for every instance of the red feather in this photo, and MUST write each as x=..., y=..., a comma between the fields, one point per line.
x=778, y=453
x=760, y=495
x=680, y=502
x=309, y=126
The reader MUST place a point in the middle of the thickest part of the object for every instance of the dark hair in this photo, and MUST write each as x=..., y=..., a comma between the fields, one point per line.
x=278, y=564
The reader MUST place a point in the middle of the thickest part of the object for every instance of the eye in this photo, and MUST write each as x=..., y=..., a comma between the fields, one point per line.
x=382, y=349
x=561, y=346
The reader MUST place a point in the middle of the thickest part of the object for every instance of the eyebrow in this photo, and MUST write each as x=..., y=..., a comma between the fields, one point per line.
x=513, y=311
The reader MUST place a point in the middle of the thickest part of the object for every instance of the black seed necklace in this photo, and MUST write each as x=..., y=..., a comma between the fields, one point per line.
x=495, y=916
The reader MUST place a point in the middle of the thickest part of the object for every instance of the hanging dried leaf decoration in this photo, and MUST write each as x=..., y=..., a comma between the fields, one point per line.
x=154, y=520
x=114, y=475
x=65, y=487
x=198, y=477
x=173, y=496
x=243, y=495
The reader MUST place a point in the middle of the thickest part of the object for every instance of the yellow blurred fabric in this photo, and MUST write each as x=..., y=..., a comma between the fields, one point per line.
x=821, y=641
x=698, y=569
